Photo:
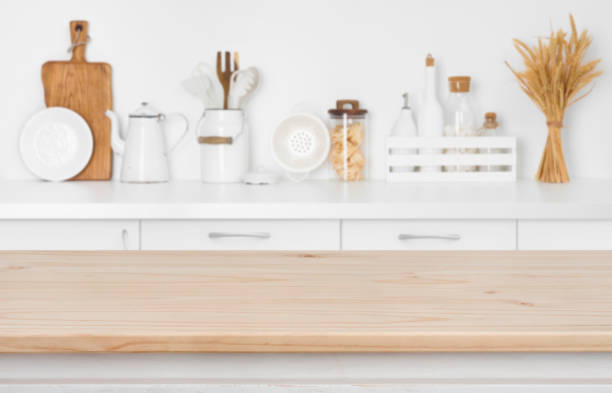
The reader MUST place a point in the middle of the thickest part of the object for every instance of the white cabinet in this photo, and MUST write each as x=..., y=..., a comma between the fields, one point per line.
x=305, y=235
x=69, y=235
x=565, y=235
x=429, y=235
x=241, y=235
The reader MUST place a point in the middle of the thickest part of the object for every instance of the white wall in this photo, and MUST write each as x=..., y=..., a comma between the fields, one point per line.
x=309, y=52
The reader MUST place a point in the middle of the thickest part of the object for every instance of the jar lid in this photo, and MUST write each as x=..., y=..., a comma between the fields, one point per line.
x=341, y=110
x=459, y=84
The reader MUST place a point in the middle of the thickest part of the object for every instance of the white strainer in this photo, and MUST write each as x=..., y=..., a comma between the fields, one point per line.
x=300, y=143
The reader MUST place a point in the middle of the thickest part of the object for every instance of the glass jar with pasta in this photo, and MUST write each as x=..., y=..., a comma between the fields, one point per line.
x=348, y=154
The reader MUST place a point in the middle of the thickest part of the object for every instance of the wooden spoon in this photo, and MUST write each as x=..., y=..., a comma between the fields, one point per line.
x=225, y=75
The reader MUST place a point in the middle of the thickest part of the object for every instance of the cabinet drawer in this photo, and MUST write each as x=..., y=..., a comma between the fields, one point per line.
x=240, y=235
x=69, y=235
x=428, y=235
x=565, y=235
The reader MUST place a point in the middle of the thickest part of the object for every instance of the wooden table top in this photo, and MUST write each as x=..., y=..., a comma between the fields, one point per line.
x=305, y=302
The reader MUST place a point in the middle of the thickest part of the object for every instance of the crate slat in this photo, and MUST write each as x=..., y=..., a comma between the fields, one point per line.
x=448, y=159
x=496, y=156
x=452, y=142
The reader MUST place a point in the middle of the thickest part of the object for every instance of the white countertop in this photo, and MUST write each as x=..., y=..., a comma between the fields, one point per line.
x=525, y=199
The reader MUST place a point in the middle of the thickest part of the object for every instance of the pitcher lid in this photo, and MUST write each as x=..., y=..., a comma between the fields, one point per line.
x=146, y=111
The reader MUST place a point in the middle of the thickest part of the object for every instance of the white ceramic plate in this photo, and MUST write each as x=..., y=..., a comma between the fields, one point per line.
x=56, y=144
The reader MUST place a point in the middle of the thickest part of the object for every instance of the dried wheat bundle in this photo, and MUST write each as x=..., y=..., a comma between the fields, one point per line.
x=555, y=75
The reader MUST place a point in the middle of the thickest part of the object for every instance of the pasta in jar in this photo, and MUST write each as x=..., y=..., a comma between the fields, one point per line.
x=348, y=147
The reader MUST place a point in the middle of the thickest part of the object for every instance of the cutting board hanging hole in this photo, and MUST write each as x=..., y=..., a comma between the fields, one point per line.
x=79, y=38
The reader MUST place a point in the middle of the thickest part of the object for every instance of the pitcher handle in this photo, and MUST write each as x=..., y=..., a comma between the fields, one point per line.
x=242, y=127
x=183, y=135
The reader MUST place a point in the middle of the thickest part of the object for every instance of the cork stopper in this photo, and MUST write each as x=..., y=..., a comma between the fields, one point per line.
x=491, y=121
x=459, y=84
x=430, y=61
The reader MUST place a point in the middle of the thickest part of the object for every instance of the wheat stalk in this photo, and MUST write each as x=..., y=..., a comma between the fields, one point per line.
x=555, y=75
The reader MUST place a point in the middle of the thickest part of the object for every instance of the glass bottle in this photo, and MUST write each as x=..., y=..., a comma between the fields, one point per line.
x=404, y=127
x=461, y=120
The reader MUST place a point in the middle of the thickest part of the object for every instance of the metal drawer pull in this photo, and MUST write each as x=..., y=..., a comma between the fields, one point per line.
x=125, y=239
x=451, y=237
x=254, y=235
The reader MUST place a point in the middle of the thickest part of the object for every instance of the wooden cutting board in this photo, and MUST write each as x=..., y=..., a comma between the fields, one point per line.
x=86, y=89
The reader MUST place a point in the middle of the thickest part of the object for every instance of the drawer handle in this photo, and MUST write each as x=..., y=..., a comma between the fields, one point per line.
x=254, y=235
x=452, y=237
x=125, y=239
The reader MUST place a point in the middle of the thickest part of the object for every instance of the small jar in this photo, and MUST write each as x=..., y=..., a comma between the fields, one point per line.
x=491, y=128
x=348, y=153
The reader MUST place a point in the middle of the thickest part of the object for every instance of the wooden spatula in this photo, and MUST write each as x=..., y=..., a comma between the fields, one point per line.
x=225, y=75
x=86, y=89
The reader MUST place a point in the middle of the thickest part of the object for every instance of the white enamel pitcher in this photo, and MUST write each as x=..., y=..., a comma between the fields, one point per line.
x=144, y=151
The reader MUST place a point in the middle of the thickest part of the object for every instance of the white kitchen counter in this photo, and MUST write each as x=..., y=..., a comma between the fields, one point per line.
x=525, y=199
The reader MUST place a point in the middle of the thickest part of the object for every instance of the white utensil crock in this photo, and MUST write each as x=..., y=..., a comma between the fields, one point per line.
x=224, y=145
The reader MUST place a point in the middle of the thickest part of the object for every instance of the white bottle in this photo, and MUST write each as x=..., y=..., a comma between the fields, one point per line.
x=431, y=116
x=404, y=127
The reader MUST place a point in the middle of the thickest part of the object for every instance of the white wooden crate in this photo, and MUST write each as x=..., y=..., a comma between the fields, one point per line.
x=495, y=156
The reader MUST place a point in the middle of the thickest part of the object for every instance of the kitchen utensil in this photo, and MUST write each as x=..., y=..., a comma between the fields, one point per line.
x=348, y=153
x=225, y=73
x=300, y=144
x=243, y=83
x=144, y=150
x=86, y=89
x=224, y=146
x=56, y=144
x=204, y=84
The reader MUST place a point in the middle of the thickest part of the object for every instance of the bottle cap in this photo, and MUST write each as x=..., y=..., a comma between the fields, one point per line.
x=490, y=120
x=459, y=84
x=430, y=61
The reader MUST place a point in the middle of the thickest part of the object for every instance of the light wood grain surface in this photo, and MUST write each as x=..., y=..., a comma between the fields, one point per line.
x=305, y=302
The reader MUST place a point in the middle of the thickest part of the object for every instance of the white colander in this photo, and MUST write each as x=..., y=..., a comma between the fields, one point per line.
x=300, y=144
